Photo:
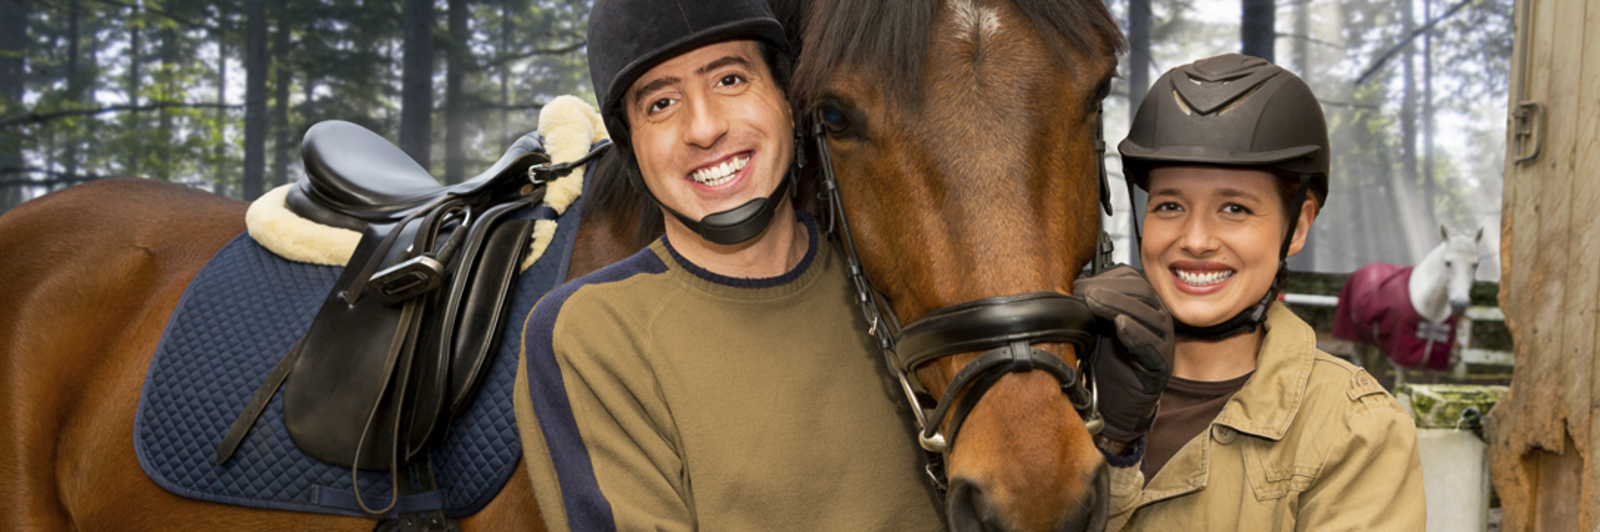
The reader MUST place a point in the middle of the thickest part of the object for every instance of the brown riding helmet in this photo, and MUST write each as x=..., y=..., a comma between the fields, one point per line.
x=1230, y=110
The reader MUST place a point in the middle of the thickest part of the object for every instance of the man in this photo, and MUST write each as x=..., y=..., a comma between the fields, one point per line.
x=720, y=379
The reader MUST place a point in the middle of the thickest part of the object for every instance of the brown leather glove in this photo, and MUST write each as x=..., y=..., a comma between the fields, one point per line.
x=1132, y=370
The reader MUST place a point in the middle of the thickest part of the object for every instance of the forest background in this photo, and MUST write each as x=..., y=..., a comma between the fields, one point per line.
x=216, y=94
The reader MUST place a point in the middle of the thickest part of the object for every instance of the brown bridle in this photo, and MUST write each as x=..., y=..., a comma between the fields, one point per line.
x=1004, y=328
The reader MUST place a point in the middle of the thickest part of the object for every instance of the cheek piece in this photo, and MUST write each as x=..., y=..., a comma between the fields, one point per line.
x=733, y=226
x=1247, y=320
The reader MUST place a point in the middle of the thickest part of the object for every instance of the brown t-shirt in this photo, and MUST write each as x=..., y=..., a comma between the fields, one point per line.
x=1187, y=408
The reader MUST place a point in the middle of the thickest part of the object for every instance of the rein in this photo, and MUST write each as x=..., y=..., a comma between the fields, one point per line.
x=1005, y=328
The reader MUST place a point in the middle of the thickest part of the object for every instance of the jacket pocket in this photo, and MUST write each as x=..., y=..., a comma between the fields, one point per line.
x=1271, y=474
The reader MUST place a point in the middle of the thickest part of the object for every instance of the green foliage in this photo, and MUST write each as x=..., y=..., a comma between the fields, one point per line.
x=141, y=94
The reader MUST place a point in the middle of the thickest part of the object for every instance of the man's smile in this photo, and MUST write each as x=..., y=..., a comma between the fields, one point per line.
x=720, y=173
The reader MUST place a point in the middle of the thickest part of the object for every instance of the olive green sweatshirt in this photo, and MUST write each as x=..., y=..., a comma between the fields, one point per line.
x=656, y=395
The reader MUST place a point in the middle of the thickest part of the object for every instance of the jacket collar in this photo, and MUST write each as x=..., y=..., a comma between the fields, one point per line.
x=1264, y=407
x=1269, y=401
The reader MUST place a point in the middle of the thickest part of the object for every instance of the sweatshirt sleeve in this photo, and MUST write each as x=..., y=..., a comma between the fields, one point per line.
x=601, y=449
x=1371, y=478
x=1127, y=482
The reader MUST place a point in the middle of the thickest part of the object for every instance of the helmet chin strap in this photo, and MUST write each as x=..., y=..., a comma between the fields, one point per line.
x=739, y=224
x=1250, y=318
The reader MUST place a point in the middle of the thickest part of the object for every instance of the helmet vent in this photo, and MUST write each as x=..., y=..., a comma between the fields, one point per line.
x=1211, y=96
x=1182, y=105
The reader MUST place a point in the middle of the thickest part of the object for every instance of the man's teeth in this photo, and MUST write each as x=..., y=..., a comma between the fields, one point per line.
x=719, y=174
x=1204, y=278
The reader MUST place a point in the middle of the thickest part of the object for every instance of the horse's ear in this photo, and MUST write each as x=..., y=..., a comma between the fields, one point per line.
x=1478, y=238
x=1445, y=233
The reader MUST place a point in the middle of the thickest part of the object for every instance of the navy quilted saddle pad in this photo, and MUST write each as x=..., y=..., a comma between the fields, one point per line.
x=237, y=318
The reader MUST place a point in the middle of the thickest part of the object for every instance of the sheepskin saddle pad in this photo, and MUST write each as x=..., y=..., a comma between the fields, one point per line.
x=253, y=304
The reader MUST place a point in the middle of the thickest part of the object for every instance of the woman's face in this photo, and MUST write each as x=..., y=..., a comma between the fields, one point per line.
x=1211, y=239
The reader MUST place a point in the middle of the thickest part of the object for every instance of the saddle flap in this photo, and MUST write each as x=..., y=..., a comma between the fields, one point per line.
x=460, y=333
x=330, y=391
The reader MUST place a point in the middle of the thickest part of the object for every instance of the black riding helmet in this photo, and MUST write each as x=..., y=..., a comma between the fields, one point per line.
x=1240, y=111
x=629, y=37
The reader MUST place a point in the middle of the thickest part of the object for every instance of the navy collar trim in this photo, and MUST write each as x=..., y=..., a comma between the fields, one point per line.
x=762, y=282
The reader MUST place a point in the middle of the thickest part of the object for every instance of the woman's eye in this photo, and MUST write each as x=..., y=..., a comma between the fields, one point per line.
x=1234, y=208
x=1166, y=207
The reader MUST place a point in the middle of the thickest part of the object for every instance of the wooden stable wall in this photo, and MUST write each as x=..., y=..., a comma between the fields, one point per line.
x=1542, y=437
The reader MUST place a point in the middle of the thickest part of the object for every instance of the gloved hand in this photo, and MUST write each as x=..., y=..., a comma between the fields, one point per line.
x=1131, y=370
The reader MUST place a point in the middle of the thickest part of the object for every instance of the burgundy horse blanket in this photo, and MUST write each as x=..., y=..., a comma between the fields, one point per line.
x=1375, y=309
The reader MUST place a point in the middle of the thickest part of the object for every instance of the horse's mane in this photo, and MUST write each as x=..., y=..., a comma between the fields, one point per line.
x=610, y=192
x=889, y=37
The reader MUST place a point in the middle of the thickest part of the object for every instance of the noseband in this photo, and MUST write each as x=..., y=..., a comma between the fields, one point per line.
x=1004, y=328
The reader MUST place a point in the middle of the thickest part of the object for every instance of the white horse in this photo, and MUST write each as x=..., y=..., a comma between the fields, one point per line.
x=1409, y=313
x=1441, y=284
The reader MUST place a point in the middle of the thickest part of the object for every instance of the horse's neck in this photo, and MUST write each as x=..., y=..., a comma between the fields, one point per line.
x=609, y=234
x=1429, y=287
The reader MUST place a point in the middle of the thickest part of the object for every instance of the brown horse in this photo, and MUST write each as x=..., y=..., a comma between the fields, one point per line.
x=972, y=176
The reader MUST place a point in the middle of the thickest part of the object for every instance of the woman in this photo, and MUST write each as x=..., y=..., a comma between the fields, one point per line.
x=1257, y=429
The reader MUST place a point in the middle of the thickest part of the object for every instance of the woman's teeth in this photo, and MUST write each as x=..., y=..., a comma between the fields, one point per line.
x=719, y=174
x=1203, y=278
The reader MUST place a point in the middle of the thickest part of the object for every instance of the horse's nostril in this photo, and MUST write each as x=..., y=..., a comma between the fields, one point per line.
x=969, y=509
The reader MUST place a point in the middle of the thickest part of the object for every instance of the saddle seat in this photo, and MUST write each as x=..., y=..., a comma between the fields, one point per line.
x=355, y=177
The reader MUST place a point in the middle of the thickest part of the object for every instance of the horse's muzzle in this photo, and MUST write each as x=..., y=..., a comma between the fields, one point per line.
x=971, y=510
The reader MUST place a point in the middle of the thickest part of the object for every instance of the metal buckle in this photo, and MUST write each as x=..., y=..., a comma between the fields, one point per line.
x=934, y=444
x=406, y=280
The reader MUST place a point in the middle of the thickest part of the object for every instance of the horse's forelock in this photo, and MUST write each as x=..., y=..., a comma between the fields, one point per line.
x=888, y=40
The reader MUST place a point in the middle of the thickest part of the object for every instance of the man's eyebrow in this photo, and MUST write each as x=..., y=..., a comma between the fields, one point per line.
x=725, y=61
x=652, y=86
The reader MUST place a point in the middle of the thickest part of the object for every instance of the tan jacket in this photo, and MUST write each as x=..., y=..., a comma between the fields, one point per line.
x=1310, y=443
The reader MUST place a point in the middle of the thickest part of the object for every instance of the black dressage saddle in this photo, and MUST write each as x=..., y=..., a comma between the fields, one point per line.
x=405, y=337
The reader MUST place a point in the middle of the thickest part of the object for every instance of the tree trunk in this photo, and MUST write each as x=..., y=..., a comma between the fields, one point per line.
x=13, y=69
x=1138, y=83
x=1429, y=187
x=255, y=98
x=1138, y=53
x=1408, y=123
x=455, y=76
x=416, y=85
x=282, y=149
x=1258, y=28
x=505, y=77
x=164, y=138
x=219, y=180
x=136, y=25
x=74, y=84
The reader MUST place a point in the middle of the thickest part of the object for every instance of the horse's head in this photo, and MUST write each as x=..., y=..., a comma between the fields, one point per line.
x=1461, y=267
x=963, y=137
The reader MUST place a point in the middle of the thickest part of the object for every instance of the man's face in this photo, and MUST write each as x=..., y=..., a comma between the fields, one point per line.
x=711, y=128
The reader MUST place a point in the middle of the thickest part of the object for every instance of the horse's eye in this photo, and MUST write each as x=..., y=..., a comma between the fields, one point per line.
x=834, y=120
x=1103, y=91
x=1447, y=263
